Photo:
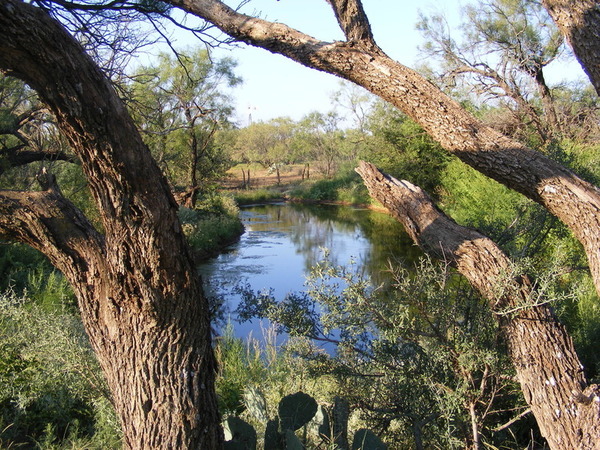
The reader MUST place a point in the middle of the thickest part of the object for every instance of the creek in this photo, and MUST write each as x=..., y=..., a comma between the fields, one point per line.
x=283, y=241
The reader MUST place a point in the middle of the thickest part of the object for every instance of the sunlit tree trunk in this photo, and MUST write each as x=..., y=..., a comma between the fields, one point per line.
x=140, y=300
x=579, y=22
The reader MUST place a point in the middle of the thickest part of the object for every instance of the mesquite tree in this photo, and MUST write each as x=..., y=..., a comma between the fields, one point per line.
x=140, y=300
x=565, y=406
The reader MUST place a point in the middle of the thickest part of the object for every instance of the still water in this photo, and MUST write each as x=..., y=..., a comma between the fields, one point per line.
x=283, y=241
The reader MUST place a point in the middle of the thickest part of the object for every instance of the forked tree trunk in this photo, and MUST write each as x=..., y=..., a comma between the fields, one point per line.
x=140, y=300
x=566, y=407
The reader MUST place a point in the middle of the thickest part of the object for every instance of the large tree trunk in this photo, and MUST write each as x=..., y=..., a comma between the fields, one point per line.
x=565, y=406
x=360, y=60
x=579, y=22
x=140, y=300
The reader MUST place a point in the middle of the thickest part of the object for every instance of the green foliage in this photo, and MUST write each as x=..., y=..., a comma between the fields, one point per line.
x=256, y=196
x=212, y=225
x=51, y=390
x=181, y=105
x=476, y=200
x=16, y=263
x=346, y=187
x=267, y=143
x=400, y=147
x=241, y=366
x=25, y=271
x=415, y=356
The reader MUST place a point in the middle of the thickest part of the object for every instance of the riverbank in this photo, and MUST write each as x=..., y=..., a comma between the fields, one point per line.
x=344, y=190
x=212, y=226
x=215, y=223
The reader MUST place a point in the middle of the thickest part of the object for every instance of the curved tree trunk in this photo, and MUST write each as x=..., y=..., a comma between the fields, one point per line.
x=359, y=59
x=565, y=406
x=579, y=22
x=140, y=300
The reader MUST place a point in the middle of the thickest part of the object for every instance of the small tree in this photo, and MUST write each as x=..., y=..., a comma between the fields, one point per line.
x=269, y=144
x=180, y=104
x=508, y=44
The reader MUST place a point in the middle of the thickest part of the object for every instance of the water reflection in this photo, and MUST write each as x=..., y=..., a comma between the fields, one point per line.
x=283, y=241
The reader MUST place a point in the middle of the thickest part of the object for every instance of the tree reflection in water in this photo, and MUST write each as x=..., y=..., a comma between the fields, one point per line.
x=283, y=241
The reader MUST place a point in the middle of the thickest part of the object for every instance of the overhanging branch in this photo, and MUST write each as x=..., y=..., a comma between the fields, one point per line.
x=50, y=223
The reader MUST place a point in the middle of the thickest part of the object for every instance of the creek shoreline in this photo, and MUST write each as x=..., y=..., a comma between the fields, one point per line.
x=202, y=255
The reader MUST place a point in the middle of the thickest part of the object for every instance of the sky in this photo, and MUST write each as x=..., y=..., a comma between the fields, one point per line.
x=275, y=86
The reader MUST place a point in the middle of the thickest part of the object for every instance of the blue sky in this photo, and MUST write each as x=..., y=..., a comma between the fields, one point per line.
x=275, y=86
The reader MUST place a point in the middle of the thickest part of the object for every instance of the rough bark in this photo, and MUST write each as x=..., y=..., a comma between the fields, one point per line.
x=579, y=22
x=140, y=300
x=573, y=200
x=565, y=405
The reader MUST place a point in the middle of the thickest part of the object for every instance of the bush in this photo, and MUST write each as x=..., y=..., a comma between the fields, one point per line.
x=345, y=188
x=257, y=196
x=51, y=388
x=212, y=225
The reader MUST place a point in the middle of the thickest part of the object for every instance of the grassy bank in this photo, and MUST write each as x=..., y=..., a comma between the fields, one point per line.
x=212, y=225
x=345, y=188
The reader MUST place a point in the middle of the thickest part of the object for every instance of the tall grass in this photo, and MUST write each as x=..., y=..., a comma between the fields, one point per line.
x=254, y=196
x=346, y=188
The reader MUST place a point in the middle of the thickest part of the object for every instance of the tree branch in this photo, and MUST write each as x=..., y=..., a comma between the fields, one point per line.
x=540, y=348
x=50, y=223
x=579, y=22
x=353, y=21
x=19, y=156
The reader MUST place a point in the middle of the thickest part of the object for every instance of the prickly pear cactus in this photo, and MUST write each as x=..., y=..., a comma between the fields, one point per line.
x=273, y=439
x=292, y=442
x=296, y=410
x=239, y=435
x=367, y=440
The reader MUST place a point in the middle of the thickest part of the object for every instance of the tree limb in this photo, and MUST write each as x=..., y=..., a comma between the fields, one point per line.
x=353, y=21
x=19, y=156
x=50, y=223
x=579, y=22
x=540, y=348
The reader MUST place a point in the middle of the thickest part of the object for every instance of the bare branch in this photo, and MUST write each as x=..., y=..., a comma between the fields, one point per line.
x=52, y=224
x=353, y=21
x=19, y=156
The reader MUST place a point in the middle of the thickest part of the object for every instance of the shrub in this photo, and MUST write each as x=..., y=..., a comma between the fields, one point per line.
x=51, y=387
x=212, y=225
